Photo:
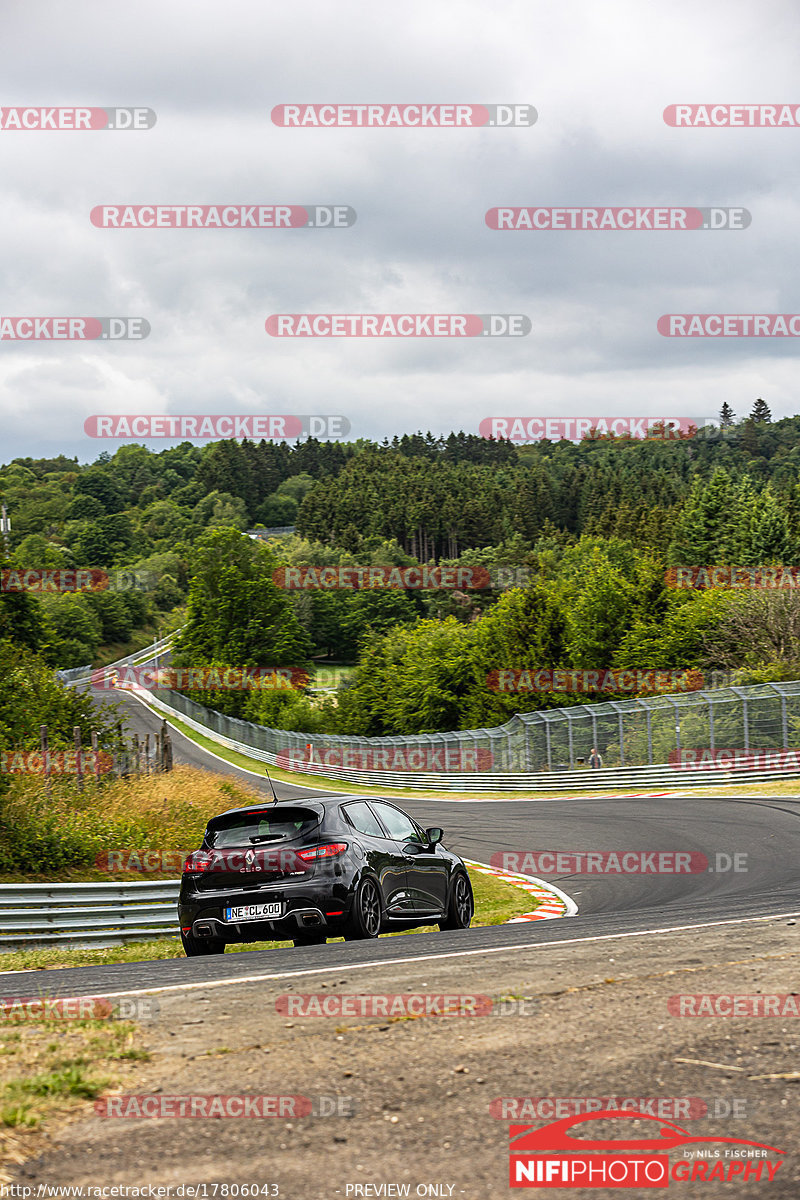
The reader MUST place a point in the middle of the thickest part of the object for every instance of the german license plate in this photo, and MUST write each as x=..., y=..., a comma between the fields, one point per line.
x=254, y=912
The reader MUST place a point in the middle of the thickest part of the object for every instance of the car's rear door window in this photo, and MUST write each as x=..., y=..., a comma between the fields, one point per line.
x=398, y=825
x=362, y=818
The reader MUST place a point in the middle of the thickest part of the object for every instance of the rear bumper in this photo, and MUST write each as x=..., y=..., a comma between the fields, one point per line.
x=305, y=910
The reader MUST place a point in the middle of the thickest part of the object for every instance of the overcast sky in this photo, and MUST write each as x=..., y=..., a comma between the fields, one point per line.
x=599, y=75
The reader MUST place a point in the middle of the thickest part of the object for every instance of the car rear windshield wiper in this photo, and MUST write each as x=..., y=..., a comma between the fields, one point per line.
x=266, y=837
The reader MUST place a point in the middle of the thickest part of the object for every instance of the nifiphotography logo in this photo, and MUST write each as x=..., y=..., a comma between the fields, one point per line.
x=553, y=1156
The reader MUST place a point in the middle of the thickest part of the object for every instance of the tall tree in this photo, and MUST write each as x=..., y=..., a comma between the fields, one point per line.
x=761, y=411
x=236, y=613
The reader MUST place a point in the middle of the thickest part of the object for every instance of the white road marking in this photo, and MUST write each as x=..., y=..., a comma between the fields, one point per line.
x=393, y=962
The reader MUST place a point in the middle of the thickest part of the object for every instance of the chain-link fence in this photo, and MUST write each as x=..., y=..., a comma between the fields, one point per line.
x=626, y=733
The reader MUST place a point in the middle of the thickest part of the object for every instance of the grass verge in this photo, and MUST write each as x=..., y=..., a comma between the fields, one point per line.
x=49, y=1068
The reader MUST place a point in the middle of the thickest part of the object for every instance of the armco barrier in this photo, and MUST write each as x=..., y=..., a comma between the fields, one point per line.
x=86, y=914
x=643, y=731
x=661, y=776
x=74, y=674
x=79, y=674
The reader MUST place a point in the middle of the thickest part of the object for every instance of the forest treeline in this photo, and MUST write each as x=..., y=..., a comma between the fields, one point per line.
x=594, y=524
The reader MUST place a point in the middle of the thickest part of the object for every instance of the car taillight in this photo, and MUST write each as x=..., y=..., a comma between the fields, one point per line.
x=198, y=862
x=329, y=850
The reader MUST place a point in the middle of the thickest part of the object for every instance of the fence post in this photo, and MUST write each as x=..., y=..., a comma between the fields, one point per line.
x=649, y=735
x=569, y=734
x=166, y=748
x=677, y=727
x=547, y=740
x=76, y=737
x=147, y=753
x=95, y=759
x=746, y=723
x=43, y=745
x=711, y=741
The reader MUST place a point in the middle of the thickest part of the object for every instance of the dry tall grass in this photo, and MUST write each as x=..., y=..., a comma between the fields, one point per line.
x=43, y=835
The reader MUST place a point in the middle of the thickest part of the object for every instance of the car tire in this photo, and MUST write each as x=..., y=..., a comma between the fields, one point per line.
x=193, y=947
x=461, y=907
x=365, y=920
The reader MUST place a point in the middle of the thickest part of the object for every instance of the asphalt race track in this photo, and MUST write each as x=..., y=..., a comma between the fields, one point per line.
x=765, y=830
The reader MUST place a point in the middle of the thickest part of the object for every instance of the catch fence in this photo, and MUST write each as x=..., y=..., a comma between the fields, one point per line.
x=642, y=732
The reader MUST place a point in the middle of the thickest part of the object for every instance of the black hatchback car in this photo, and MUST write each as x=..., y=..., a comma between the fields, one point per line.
x=309, y=870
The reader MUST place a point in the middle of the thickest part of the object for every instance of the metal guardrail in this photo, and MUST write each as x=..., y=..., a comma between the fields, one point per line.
x=78, y=674
x=74, y=674
x=659, y=775
x=271, y=531
x=640, y=732
x=34, y=915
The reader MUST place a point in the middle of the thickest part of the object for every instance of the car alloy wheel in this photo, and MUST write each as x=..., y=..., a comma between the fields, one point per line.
x=366, y=919
x=461, y=907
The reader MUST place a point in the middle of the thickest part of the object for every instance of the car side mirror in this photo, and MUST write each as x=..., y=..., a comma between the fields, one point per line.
x=434, y=835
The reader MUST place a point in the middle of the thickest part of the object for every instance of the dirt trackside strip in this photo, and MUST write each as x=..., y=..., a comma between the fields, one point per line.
x=416, y=1101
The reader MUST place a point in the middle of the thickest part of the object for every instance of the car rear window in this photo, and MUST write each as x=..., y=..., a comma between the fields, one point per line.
x=260, y=828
